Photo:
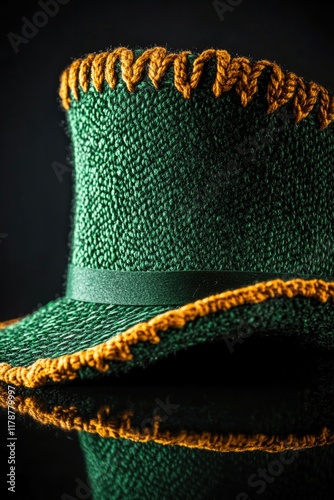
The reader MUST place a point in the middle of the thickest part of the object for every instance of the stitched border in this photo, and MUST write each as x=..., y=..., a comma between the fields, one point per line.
x=66, y=367
x=4, y=324
x=106, y=426
x=238, y=73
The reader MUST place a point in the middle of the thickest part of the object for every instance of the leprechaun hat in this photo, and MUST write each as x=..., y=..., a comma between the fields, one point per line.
x=203, y=441
x=203, y=208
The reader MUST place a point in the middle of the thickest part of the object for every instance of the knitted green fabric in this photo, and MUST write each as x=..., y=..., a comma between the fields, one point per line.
x=168, y=183
x=65, y=326
x=121, y=469
x=130, y=470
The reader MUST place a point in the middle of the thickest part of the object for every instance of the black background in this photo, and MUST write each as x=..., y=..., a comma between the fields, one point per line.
x=34, y=205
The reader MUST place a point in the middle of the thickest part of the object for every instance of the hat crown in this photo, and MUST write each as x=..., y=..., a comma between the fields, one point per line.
x=179, y=165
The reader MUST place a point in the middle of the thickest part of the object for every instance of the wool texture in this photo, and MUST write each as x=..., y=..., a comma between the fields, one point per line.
x=188, y=162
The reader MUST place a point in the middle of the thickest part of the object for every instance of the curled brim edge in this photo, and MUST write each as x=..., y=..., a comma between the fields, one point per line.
x=118, y=348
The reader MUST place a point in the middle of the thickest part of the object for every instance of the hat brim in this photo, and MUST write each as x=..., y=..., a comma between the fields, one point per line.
x=69, y=339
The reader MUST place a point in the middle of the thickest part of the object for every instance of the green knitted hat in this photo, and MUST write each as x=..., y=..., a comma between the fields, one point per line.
x=203, y=209
x=199, y=442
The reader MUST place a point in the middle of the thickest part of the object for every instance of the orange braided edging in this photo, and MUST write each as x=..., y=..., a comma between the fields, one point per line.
x=238, y=73
x=106, y=426
x=118, y=348
x=4, y=324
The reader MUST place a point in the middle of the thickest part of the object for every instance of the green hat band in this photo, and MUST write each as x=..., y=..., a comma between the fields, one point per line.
x=157, y=288
x=186, y=164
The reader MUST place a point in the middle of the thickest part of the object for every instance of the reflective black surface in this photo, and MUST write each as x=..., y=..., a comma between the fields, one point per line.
x=244, y=426
x=272, y=394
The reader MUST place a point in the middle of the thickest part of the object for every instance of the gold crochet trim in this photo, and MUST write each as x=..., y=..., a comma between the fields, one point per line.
x=4, y=324
x=107, y=426
x=118, y=348
x=238, y=73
